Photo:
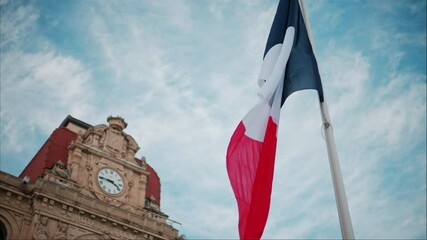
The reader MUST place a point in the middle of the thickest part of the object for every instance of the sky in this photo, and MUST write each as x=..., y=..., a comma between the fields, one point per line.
x=183, y=73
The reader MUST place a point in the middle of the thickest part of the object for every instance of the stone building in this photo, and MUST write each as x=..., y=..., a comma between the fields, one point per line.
x=84, y=183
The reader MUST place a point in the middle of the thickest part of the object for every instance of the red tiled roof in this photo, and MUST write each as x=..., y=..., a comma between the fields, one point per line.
x=55, y=149
x=153, y=183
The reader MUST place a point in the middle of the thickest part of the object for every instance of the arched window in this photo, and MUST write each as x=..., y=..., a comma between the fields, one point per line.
x=3, y=231
x=9, y=228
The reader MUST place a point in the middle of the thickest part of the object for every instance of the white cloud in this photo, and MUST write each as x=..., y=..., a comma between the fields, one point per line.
x=38, y=88
x=378, y=124
x=41, y=85
x=345, y=72
x=182, y=106
x=303, y=190
x=16, y=25
x=217, y=8
x=177, y=14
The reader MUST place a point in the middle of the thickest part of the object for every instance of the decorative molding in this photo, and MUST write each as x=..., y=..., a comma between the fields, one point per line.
x=111, y=139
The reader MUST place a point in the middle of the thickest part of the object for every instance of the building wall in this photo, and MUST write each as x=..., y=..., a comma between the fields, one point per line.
x=66, y=201
x=48, y=210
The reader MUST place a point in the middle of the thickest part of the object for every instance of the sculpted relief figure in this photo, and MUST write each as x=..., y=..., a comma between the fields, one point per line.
x=79, y=138
x=41, y=231
x=100, y=131
x=87, y=174
x=61, y=170
x=61, y=234
x=127, y=197
x=105, y=236
x=131, y=148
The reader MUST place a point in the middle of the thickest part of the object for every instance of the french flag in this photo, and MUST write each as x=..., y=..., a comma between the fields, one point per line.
x=289, y=65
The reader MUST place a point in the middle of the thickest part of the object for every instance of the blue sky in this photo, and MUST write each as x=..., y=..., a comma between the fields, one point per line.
x=184, y=73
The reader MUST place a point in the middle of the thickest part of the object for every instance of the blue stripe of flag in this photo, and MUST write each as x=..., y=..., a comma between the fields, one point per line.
x=301, y=70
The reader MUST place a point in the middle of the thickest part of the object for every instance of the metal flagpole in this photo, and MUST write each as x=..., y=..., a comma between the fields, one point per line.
x=340, y=197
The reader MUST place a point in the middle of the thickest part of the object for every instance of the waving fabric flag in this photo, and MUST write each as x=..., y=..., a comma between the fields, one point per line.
x=289, y=65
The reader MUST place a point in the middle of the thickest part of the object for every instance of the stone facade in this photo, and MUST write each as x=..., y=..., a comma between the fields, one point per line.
x=97, y=192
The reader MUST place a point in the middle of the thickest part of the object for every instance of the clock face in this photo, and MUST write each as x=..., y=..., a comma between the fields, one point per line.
x=110, y=181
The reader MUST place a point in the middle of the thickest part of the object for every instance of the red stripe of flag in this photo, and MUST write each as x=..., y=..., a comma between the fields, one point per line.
x=289, y=65
x=250, y=166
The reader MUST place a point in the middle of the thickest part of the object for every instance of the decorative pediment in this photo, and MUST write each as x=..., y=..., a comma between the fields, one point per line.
x=112, y=139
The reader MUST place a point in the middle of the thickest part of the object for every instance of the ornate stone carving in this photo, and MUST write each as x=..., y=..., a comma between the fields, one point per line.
x=79, y=138
x=128, y=194
x=106, y=236
x=41, y=231
x=61, y=170
x=112, y=139
x=88, y=174
x=115, y=141
x=61, y=233
x=68, y=202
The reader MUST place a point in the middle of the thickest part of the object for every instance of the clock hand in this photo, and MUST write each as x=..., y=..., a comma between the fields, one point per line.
x=105, y=178
x=114, y=184
x=109, y=180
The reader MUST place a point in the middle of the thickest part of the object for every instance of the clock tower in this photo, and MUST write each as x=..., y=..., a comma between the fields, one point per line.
x=102, y=161
x=85, y=183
